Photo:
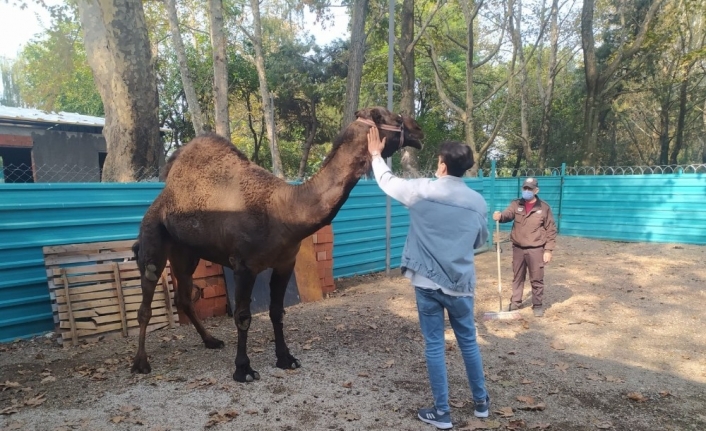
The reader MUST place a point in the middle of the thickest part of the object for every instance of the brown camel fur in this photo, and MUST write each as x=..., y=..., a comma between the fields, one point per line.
x=217, y=205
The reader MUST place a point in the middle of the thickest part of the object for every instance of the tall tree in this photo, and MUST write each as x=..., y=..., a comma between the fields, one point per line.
x=355, y=62
x=267, y=98
x=547, y=92
x=186, y=76
x=405, y=51
x=599, y=74
x=118, y=48
x=220, y=72
x=10, y=95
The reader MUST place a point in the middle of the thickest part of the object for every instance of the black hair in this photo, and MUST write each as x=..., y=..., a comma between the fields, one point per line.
x=457, y=157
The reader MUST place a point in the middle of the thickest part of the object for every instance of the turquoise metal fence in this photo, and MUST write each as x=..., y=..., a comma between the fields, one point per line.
x=36, y=215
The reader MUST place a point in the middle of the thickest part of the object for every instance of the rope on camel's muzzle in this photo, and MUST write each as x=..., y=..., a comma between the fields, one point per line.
x=385, y=127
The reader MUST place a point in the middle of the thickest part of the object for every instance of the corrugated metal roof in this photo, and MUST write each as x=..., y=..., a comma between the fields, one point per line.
x=36, y=115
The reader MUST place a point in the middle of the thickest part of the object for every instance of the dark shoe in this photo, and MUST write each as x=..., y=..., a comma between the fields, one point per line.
x=513, y=307
x=538, y=311
x=431, y=416
x=482, y=409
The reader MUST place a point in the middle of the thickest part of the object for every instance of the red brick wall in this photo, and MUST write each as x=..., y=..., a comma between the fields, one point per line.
x=323, y=246
x=209, y=280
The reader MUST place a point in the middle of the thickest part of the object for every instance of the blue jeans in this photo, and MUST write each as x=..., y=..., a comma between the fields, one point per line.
x=431, y=305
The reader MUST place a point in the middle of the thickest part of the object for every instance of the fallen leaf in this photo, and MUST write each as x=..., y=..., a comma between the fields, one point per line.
x=512, y=352
x=525, y=324
x=8, y=385
x=534, y=408
x=340, y=327
x=258, y=350
x=526, y=400
x=516, y=424
x=306, y=347
x=614, y=379
x=538, y=363
x=526, y=381
x=388, y=364
x=373, y=326
x=9, y=410
x=15, y=426
x=251, y=411
x=553, y=391
x=505, y=412
x=557, y=345
x=117, y=419
x=36, y=400
x=604, y=426
x=474, y=424
x=363, y=375
x=221, y=416
x=128, y=409
x=48, y=379
x=457, y=403
x=135, y=421
x=494, y=378
x=665, y=394
x=540, y=426
x=347, y=384
x=636, y=396
x=591, y=376
x=562, y=366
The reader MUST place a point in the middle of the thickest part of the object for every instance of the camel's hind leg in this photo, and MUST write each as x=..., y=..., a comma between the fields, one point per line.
x=278, y=287
x=151, y=254
x=244, y=283
x=183, y=263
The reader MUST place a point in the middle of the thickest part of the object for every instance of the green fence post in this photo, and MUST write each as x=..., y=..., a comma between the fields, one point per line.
x=491, y=207
x=561, y=197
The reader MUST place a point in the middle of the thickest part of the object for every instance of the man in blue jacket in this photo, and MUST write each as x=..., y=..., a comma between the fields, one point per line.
x=448, y=220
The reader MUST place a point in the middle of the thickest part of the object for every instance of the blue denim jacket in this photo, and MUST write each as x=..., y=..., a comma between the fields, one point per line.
x=448, y=220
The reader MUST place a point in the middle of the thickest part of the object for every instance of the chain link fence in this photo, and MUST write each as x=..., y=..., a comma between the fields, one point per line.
x=23, y=173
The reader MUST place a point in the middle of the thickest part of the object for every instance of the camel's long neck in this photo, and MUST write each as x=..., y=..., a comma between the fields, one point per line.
x=315, y=203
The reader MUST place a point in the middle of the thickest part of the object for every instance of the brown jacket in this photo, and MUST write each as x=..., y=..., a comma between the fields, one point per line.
x=536, y=229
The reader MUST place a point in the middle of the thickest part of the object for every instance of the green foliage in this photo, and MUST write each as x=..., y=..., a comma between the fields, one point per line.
x=53, y=72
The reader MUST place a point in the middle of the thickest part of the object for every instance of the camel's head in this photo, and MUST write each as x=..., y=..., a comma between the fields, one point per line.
x=399, y=130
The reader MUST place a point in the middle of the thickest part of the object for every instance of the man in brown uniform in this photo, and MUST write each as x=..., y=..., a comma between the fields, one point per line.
x=533, y=239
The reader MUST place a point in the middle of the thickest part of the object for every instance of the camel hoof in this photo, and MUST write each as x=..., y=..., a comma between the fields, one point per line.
x=288, y=362
x=245, y=374
x=214, y=343
x=141, y=366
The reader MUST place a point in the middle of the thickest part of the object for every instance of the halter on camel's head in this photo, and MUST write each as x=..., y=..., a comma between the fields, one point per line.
x=410, y=134
x=399, y=129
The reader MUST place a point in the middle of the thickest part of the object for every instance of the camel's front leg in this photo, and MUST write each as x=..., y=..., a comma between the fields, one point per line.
x=244, y=282
x=278, y=287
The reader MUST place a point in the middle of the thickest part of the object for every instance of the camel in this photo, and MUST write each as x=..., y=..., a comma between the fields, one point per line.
x=218, y=206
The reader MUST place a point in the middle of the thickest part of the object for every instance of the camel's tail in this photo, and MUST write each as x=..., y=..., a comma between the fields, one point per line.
x=136, y=250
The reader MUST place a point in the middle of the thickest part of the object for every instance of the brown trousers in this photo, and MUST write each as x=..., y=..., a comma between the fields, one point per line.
x=531, y=259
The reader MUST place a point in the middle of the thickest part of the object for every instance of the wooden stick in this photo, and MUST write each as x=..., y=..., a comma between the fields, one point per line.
x=121, y=300
x=167, y=298
x=74, y=339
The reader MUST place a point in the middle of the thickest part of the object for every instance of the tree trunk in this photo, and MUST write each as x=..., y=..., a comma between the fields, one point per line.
x=118, y=51
x=548, y=99
x=664, y=133
x=406, y=52
x=186, y=77
x=516, y=29
x=679, y=143
x=311, y=134
x=267, y=105
x=220, y=72
x=355, y=62
x=596, y=79
x=469, y=13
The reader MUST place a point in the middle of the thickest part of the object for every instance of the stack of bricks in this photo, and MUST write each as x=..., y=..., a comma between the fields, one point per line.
x=323, y=246
x=211, y=298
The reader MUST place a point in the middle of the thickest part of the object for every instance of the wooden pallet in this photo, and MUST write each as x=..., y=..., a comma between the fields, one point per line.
x=95, y=291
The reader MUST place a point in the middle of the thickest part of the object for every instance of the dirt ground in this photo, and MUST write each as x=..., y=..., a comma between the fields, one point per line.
x=621, y=347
